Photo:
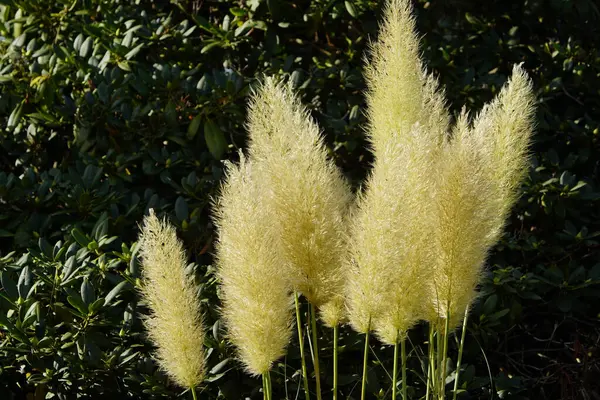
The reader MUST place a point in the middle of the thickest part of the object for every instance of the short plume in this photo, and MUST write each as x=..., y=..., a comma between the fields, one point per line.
x=175, y=322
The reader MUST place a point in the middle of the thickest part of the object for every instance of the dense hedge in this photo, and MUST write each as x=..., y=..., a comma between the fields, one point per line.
x=110, y=108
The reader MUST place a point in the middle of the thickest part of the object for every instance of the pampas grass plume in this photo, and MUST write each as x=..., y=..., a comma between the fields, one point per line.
x=333, y=313
x=390, y=232
x=175, y=322
x=400, y=93
x=461, y=214
x=256, y=300
x=503, y=130
x=389, y=240
x=479, y=174
x=308, y=198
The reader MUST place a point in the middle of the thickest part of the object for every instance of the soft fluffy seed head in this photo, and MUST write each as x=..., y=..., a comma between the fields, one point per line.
x=390, y=234
x=462, y=216
x=390, y=238
x=478, y=179
x=308, y=197
x=254, y=291
x=333, y=312
x=175, y=322
x=400, y=93
x=503, y=130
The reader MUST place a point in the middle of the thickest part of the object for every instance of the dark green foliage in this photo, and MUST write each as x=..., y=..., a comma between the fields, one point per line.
x=110, y=108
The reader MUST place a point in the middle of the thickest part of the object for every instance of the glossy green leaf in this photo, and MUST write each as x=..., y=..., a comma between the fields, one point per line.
x=215, y=139
x=194, y=126
x=88, y=294
x=25, y=282
x=181, y=209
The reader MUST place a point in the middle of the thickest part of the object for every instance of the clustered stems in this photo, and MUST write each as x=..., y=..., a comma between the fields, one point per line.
x=431, y=363
x=437, y=378
x=267, y=387
x=438, y=356
x=301, y=344
x=444, y=357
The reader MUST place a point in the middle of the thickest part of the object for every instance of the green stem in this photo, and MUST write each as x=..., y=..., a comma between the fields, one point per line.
x=264, y=383
x=193, y=390
x=444, y=357
x=460, y=353
x=395, y=373
x=268, y=385
x=301, y=344
x=431, y=364
x=438, y=367
x=404, y=383
x=313, y=320
x=363, y=390
x=335, y=360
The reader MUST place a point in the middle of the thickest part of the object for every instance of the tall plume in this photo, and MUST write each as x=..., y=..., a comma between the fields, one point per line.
x=477, y=184
x=389, y=233
x=308, y=196
x=503, y=130
x=256, y=299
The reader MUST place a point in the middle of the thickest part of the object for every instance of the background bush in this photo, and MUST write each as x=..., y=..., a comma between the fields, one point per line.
x=110, y=108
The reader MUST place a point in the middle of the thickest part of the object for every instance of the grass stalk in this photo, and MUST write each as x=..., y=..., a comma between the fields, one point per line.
x=430, y=362
x=438, y=368
x=460, y=353
x=313, y=320
x=193, y=390
x=269, y=387
x=336, y=332
x=404, y=382
x=363, y=390
x=395, y=372
x=444, y=357
x=264, y=383
x=301, y=344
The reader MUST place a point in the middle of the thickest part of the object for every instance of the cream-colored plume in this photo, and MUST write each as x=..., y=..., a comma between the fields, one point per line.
x=477, y=183
x=461, y=225
x=390, y=233
x=333, y=313
x=390, y=239
x=308, y=198
x=400, y=92
x=175, y=322
x=503, y=132
x=256, y=298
